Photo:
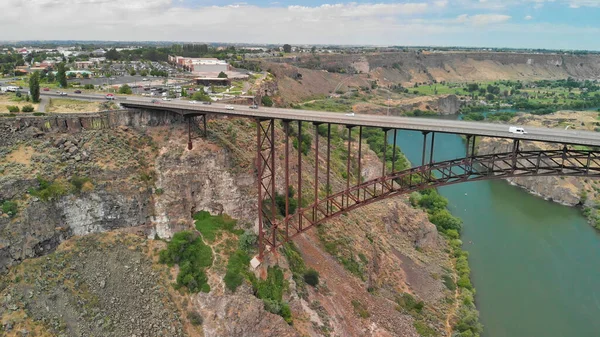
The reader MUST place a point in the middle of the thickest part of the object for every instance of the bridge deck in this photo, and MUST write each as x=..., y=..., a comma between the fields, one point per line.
x=572, y=137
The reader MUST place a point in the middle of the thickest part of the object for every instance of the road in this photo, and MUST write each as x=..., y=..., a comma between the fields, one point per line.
x=574, y=137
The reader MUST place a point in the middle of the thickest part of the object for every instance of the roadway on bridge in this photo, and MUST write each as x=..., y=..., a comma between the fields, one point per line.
x=573, y=137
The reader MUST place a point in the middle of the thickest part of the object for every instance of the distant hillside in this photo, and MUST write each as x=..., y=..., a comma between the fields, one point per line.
x=307, y=76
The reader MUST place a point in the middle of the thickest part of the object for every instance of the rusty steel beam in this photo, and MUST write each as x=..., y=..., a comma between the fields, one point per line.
x=286, y=130
x=328, y=165
x=359, y=173
x=424, y=148
x=261, y=244
x=446, y=176
x=316, y=198
x=348, y=164
x=189, y=119
x=300, y=173
x=274, y=225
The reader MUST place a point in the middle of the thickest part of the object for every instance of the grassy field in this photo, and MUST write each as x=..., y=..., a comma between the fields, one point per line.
x=59, y=105
x=328, y=104
x=11, y=99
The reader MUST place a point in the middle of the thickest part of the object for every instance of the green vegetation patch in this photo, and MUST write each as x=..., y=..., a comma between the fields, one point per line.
x=423, y=329
x=9, y=207
x=192, y=255
x=237, y=267
x=271, y=292
x=210, y=225
x=360, y=309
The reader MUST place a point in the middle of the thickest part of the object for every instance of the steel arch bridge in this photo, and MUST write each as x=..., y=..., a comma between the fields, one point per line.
x=275, y=229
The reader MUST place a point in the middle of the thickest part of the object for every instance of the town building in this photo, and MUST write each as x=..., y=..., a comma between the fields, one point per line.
x=200, y=65
x=84, y=64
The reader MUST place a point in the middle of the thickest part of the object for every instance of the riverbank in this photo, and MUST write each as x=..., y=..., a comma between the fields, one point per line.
x=521, y=248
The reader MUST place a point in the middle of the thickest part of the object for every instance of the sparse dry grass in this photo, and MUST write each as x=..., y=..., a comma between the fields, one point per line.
x=58, y=105
x=6, y=100
x=22, y=155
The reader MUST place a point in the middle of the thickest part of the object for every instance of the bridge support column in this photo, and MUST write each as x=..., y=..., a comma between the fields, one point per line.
x=328, y=186
x=267, y=225
x=385, y=144
x=359, y=173
x=299, y=174
x=316, y=198
x=348, y=166
x=189, y=119
x=286, y=128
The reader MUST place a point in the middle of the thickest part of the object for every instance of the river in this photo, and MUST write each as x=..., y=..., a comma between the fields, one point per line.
x=535, y=264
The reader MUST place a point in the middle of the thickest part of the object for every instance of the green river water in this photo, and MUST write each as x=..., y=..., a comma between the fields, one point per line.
x=535, y=264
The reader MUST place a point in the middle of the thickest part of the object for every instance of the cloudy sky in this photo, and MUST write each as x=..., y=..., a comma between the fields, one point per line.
x=568, y=24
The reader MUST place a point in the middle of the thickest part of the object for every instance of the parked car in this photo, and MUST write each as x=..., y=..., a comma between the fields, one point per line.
x=46, y=89
x=166, y=99
x=155, y=101
x=78, y=91
x=63, y=93
x=206, y=102
x=254, y=106
x=350, y=114
x=229, y=107
x=110, y=97
x=193, y=102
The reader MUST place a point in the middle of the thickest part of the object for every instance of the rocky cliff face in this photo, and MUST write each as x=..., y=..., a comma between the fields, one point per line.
x=144, y=177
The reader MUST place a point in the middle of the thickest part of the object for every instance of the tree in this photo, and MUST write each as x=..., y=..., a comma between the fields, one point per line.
x=132, y=72
x=61, y=75
x=85, y=75
x=125, y=89
x=183, y=92
x=313, y=49
x=20, y=63
x=200, y=96
x=266, y=101
x=144, y=73
x=311, y=277
x=287, y=48
x=112, y=54
x=222, y=75
x=34, y=87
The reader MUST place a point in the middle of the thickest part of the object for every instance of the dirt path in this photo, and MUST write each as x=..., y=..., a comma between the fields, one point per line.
x=43, y=102
x=344, y=288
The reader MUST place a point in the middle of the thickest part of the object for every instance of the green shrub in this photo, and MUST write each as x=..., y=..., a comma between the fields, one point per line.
x=195, y=318
x=311, y=277
x=423, y=329
x=271, y=292
x=13, y=108
x=247, y=241
x=266, y=101
x=159, y=191
x=292, y=203
x=191, y=254
x=39, y=114
x=407, y=303
x=237, y=266
x=445, y=221
x=50, y=190
x=360, y=309
x=449, y=282
x=210, y=225
x=28, y=108
x=78, y=182
x=10, y=208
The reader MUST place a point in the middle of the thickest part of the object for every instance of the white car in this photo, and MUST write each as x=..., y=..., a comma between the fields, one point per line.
x=350, y=114
x=517, y=130
x=229, y=107
x=166, y=99
x=193, y=102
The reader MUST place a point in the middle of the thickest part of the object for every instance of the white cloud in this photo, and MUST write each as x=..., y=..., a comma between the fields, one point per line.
x=482, y=19
x=528, y=17
x=419, y=22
